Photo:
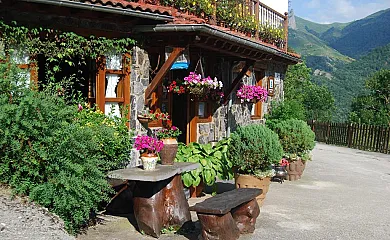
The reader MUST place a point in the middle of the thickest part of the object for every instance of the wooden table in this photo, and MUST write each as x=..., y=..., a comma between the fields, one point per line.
x=159, y=200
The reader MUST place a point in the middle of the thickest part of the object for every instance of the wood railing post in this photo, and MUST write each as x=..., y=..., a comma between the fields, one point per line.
x=257, y=18
x=213, y=19
x=285, y=26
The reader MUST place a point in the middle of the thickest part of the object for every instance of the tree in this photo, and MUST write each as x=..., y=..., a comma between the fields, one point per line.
x=317, y=100
x=373, y=108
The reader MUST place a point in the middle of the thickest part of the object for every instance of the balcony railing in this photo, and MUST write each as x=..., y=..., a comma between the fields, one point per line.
x=249, y=17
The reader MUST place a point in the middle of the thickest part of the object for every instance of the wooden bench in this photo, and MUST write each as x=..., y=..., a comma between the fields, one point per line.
x=227, y=215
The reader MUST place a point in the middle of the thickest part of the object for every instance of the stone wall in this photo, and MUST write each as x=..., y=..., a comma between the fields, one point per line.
x=139, y=81
x=227, y=118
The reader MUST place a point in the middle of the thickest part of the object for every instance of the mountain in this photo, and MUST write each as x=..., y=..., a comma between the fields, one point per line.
x=348, y=80
x=305, y=39
x=343, y=55
x=354, y=39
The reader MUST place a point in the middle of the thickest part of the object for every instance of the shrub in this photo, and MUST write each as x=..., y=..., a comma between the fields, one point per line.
x=296, y=137
x=288, y=109
x=253, y=149
x=55, y=154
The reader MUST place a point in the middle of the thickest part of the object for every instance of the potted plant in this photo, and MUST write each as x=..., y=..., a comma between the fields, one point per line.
x=149, y=147
x=213, y=163
x=253, y=149
x=199, y=87
x=151, y=116
x=297, y=140
x=252, y=93
x=169, y=137
x=280, y=171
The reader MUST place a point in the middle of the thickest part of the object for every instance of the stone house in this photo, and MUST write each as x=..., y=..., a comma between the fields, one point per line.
x=171, y=42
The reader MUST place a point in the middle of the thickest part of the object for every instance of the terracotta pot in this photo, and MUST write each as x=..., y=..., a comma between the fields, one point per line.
x=168, y=153
x=294, y=171
x=196, y=191
x=249, y=181
x=149, y=161
x=302, y=166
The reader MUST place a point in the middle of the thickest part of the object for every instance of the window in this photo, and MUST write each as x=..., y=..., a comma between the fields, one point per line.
x=113, y=84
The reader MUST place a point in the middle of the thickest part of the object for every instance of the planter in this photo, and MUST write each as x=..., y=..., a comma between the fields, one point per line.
x=293, y=170
x=168, y=153
x=301, y=167
x=144, y=120
x=149, y=161
x=197, y=190
x=280, y=174
x=249, y=181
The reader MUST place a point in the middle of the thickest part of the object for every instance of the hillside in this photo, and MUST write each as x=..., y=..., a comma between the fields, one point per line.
x=349, y=79
x=353, y=39
x=316, y=52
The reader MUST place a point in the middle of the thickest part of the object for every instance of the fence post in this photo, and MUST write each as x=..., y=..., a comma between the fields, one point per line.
x=327, y=132
x=349, y=135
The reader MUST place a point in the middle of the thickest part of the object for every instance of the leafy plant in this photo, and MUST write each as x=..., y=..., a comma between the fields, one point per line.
x=288, y=109
x=253, y=149
x=170, y=132
x=56, y=153
x=296, y=137
x=213, y=162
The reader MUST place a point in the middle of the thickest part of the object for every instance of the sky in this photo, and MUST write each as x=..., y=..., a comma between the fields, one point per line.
x=330, y=11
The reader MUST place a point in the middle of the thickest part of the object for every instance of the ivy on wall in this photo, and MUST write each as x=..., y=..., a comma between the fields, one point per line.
x=57, y=46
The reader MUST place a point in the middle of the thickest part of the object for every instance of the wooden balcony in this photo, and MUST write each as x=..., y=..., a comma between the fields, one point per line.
x=249, y=17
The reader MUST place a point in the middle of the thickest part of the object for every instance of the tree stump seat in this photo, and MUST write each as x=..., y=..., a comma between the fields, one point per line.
x=227, y=215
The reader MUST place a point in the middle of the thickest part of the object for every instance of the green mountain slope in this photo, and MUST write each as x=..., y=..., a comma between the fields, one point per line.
x=349, y=79
x=359, y=37
x=316, y=52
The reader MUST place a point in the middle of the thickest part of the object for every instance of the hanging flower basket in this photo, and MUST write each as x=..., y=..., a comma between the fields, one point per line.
x=252, y=93
x=200, y=87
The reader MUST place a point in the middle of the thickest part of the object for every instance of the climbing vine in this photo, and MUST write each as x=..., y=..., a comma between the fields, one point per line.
x=58, y=47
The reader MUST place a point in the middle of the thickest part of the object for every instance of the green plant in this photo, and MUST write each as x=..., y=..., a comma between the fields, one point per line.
x=288, y=109
x=296, y=137
x=253, y=148
x=170, y=132
x=213, y=162
x=55, y=153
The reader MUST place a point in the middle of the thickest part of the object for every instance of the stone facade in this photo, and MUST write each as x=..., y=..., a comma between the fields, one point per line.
x=139, y=81
x=227, y=118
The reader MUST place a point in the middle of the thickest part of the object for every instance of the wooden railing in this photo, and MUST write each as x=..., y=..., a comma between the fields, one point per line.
x=360, y=136
x=251, y=17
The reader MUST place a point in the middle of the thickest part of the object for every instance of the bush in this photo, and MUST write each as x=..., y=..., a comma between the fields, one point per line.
x=288, y=109
x=253, y=149
x=296, y=137
x=55, y=154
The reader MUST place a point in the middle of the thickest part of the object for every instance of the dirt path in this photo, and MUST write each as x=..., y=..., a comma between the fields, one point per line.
x=20, y=219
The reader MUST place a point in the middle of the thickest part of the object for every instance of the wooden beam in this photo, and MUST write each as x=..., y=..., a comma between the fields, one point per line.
x=162, y=72
x=237, y=80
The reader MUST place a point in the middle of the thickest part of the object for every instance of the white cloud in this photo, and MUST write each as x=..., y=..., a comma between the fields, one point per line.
x=343, y=10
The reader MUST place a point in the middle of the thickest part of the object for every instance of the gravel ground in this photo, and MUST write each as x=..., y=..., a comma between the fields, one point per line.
x=20, y=219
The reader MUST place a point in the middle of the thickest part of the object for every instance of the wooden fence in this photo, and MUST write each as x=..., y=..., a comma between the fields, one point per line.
x=360, y=136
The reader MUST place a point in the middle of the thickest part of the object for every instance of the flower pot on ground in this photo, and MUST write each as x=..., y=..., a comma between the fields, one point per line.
x=250, y=181
x=213, y=163
x=297, y=140
x=149, y=146
x=169, y=137
x=253, y=149
x=196, y=191
x=281, y=173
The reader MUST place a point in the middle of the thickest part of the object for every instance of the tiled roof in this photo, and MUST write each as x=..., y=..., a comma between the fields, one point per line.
x=144, y=6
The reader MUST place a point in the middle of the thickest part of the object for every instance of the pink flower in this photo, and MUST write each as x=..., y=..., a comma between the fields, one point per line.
x=80, y=108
